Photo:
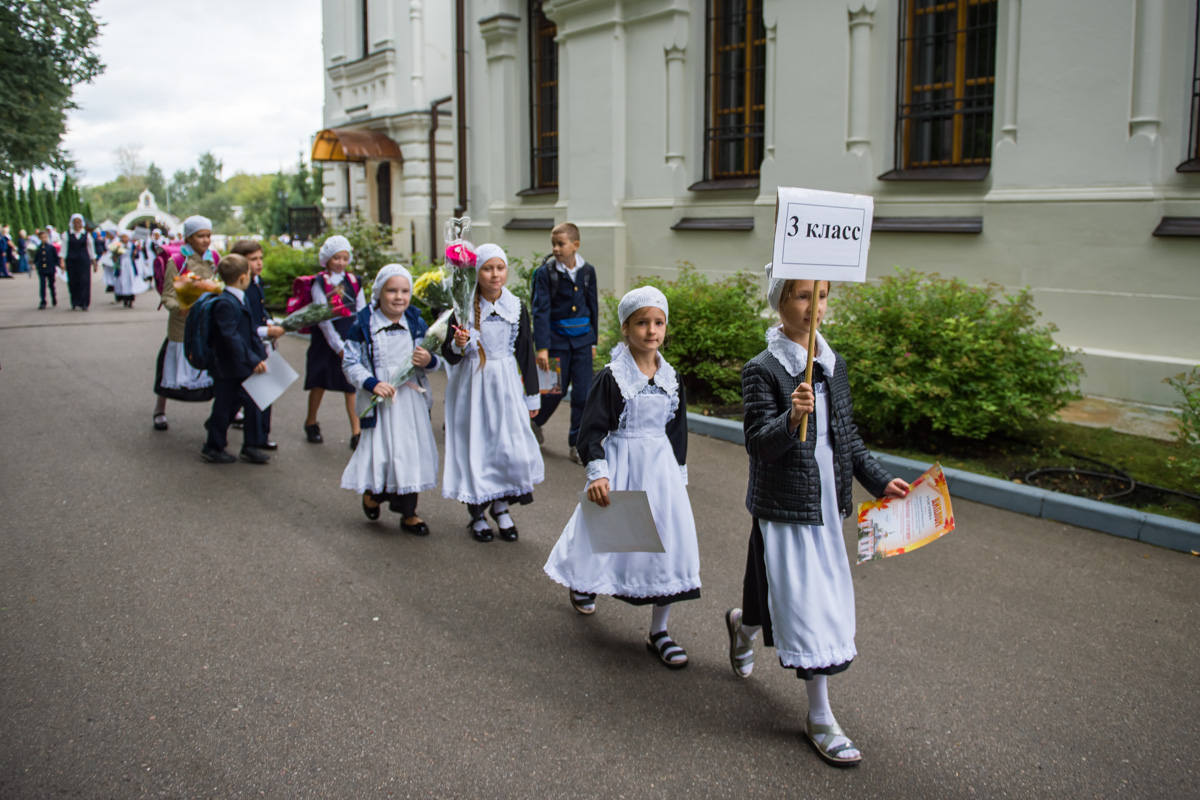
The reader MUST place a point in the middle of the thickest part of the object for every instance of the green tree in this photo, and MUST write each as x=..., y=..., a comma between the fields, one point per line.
x=8, y=209
x=23, y=210
x=277, y=219
x=316, y=189
x=156, y=182
x=209, y=179
x=48, y=47
x=183, y=187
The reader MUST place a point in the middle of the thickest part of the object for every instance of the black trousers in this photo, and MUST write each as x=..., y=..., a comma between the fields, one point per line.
x=576, y=366
x=228, y=396
x=45, y=281
x=79, y=281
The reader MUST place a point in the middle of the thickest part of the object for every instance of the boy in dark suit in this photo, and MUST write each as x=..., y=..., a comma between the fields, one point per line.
x=565, y=323
x=265, y=327
x=47, y=261
x=237, y=354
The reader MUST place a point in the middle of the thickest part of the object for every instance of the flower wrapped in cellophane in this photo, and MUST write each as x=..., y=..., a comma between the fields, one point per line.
x=432, y=289
x=432, y=341
x=460, y=263
x=307, y=316
x=189, y=287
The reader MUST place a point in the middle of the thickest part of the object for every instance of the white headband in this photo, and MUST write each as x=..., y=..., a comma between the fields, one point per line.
x=642, y=297
x=486, y=252
x=332, y=246
x=195, y=224
x=387, y=273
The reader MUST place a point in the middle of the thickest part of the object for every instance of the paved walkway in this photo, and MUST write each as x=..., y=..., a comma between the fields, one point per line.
x=170, y=628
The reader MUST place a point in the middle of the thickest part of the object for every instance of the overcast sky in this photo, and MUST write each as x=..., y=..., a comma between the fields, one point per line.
x=239, y=77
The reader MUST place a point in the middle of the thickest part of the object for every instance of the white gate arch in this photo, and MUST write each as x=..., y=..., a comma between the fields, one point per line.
x=146, y=207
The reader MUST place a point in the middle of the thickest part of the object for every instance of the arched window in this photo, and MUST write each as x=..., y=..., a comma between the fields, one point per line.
x=946, y=85
x=735, y=97
x=543, y=101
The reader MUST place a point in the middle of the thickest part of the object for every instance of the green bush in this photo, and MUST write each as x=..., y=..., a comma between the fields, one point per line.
x=282, y=264
x=1188, y=414
x=520, y=277
x=714, y=328
x=930, y=355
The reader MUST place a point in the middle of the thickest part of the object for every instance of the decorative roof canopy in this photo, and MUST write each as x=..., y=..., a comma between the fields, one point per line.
x=344, y=144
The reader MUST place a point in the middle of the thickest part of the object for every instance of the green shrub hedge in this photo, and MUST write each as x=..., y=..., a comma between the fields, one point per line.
x=931, y=355
x=714, y=328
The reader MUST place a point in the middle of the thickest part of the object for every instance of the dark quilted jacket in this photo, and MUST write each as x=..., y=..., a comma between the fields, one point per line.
x=784, y=484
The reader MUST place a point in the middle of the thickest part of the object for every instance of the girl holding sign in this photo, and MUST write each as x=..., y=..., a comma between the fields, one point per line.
x=797, y=588
x=633, y=437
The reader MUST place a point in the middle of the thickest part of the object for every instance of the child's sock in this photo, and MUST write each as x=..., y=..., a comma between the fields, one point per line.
x=820, y=713
x=480, y=525
x=500, y=512
x=658, y=619
x=747, y=634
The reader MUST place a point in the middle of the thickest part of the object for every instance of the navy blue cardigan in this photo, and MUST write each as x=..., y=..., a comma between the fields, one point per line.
x=361, y=332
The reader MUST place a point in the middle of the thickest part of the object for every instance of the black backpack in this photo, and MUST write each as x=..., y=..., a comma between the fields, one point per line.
x=554, y=275
x=197, y=332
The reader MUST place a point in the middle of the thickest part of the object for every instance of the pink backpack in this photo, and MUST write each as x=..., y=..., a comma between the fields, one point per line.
x=160, y=265
x=302, y=296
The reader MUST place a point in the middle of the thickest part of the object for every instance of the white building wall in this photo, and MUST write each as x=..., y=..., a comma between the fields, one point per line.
x=1090, y=122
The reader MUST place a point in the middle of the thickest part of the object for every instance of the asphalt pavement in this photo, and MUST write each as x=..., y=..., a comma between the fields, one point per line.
x=171, y=628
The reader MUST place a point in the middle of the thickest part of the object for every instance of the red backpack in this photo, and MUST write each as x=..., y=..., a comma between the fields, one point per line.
x=165, y=257
x=302, y=296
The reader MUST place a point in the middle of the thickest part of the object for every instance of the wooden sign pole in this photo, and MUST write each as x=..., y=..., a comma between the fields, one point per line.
x=812, y=348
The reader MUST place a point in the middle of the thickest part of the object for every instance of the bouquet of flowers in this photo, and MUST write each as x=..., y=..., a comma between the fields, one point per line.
x=432, y=341
x=307, y=316
x=189, y=286
x=432, y=290
x=460, y=261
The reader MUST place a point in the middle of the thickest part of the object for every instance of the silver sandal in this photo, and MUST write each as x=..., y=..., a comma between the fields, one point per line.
x=830, y=755
x=740, y=657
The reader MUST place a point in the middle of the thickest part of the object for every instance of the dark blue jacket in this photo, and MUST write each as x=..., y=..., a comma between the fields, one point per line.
x=236, y=348
x=361, y=332
x=256, y=301
x=46, y=259
x=573, y=299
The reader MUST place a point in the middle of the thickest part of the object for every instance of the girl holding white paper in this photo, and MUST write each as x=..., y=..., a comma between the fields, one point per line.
x=397, y=456
x=634, y=438
x=797, y=589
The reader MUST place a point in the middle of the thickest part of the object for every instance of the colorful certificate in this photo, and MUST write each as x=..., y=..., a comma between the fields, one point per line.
x=892, y=526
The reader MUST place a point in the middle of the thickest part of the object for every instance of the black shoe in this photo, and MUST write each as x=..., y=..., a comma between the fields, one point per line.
x=507, y=534
x=255, y=456
x=268, y=446
x=54, y=303
x=372, y=513
x=42, y=307
x=160, y=422
x=354, y=441
x=214, y=456
x=484, y=535
x=313, y=432
x=420, y=529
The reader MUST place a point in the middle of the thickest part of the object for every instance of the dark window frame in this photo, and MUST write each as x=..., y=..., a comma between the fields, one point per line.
x=735, y=78
x=944, y=122
x=366, y=31
x=1192, y=162
x=543, y=103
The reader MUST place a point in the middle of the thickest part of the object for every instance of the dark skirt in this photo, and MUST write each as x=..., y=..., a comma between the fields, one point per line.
x=691, y=594
x=755, y=609
x=202, y=395
x=323, y=367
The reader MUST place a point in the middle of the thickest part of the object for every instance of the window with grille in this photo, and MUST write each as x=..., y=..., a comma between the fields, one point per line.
x=543, y=100
x=946, y=86
x=735, y=73
x=1192, y=164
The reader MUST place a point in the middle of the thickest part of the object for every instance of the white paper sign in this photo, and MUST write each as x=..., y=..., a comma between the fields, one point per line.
x=266, y=387
x=822, y=236
x=625, y=526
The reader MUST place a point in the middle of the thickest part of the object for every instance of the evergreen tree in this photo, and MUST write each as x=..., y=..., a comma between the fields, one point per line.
x=317, y=185
x=8, y=211
x=86, y=210
x=277, y=210
x=23, y=210
x=156, y=183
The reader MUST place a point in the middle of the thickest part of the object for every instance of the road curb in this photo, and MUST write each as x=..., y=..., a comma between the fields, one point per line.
x=1155, y=529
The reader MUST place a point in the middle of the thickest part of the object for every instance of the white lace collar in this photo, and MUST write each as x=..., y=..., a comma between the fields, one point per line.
x=507, y=306
x=632, y=381
x=794, y=357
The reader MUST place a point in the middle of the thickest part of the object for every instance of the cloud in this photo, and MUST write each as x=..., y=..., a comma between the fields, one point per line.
x=242, y=79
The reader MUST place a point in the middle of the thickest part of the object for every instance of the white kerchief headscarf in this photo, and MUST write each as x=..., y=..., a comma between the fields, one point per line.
x=332, y=246
x=71, y=224
x=774, y=288
x=643, y=297
x=194, y=224
x=487, y=252
x=387, y=273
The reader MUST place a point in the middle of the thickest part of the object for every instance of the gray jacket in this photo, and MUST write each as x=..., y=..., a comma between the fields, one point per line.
x=784, y=482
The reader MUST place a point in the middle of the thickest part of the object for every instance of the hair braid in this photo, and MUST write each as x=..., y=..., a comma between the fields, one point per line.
x=479, y=345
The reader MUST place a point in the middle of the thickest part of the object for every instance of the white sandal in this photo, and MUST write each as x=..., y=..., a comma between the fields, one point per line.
x=741, y=657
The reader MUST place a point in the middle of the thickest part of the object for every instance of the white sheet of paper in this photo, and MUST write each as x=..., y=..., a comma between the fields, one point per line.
x=626, y=526
x=265, y=388
x=550, y=380
x=822, y=235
